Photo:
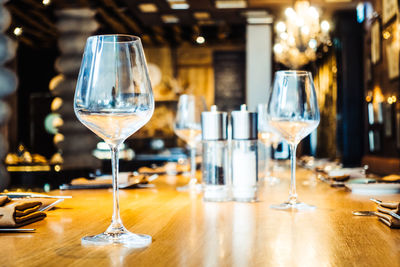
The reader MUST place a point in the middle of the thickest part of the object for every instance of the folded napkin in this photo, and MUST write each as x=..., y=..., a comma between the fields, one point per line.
x=14, y=213
x=385, y=211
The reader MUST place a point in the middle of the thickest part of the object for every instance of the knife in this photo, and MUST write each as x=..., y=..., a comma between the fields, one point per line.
x=30, y=195
x=10, y=230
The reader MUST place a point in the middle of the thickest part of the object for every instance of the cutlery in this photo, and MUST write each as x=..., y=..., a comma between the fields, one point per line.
x=30, y=195
x=45, y=208
x=10, y=230
x=373, y=213
x=388, y=204
x=364, y=213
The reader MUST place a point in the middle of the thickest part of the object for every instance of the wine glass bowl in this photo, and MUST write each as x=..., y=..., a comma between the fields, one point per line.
x=114, y=99
x=187, y=126
x=293, y=112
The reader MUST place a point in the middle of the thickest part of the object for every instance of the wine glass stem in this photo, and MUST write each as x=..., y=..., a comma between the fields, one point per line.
x=193, y=179
x=116, y=222
x=292, y=192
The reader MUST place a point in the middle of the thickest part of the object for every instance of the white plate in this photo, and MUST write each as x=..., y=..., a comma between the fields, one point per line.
x=352, y=172
x=374, y=188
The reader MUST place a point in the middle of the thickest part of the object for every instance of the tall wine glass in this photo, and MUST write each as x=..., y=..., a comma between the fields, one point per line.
x=269, y=138
x=114, y=99
x=293, y=112
x=187, y=126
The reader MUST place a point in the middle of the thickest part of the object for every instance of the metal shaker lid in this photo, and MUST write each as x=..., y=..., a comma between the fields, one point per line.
x=214, y=124
x=244, y=124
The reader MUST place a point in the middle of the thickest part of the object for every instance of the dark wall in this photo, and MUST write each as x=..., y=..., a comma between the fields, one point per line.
x=386, y=128
x=35, y=69
x=349, y=47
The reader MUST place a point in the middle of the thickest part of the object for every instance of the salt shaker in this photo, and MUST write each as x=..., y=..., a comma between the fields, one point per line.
x=244, y=155
x=215, y=155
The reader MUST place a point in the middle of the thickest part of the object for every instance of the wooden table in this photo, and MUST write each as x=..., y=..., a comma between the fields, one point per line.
x=189, y=232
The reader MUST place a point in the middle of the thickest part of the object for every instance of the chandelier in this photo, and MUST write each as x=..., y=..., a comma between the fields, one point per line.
x=298, y=38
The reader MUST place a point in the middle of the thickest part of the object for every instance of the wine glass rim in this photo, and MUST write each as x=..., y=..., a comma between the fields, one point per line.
x=129, y=38
x=293, y=72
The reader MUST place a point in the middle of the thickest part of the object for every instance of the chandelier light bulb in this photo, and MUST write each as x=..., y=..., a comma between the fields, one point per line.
x=312, y=43
x=291, y=41
x=305, y=30
x=280, y=26
x=284, y=36
x=278, y=48
x=312, y=11
x=289, y=12
x=299, y=21
x=325, y=26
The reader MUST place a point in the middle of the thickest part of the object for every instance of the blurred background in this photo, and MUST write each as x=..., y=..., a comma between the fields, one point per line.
x=225, y=50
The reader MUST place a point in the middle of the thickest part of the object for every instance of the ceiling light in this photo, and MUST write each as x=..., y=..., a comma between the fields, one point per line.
x=284, y=36
x=325, y=26
x=18, y=31
x=312, y=11
x=278, y=48
x=201, y=15
x=179, y=5
x=305, y=30
x=148, y=8
x=230, y=4
x=292, y=41
x=289, y=12
x=169, y=19
x=200, y=39
x=46, y=2
x=300, y=22
x=261, y=20
x=312, y=43
x=300, y=34
x=386, y=35
x=280, y=26
x=255, y=13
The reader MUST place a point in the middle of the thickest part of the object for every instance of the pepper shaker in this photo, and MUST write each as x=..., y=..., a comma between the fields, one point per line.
x=244, y=155
x=215, y=155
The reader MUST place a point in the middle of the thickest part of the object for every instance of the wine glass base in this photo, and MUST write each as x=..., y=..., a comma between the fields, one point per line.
x=298, y=206
x=190, y=187
x=126, y=238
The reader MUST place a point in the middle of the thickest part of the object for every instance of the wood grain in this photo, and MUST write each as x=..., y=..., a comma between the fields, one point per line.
x=189, y=232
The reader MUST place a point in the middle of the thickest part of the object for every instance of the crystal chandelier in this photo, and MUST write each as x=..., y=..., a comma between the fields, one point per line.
x=298, y=38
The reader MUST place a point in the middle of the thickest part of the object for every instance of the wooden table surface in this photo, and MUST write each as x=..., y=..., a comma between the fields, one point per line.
x=189, y=232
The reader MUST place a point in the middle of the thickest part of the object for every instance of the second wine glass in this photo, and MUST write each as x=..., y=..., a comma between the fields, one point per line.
x=270, y=139
x=187, y=126
x=293, y=112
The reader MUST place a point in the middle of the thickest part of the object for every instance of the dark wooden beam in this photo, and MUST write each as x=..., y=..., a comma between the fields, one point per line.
x=177, y=33
x=158, y=33
x=114, y=24
x=122, y=16
x=28, y=21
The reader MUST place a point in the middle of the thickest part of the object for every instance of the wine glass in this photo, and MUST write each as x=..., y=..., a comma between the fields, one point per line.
x=187, y=126
x=293, y=112
x=269, y=138
x=114, y=99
